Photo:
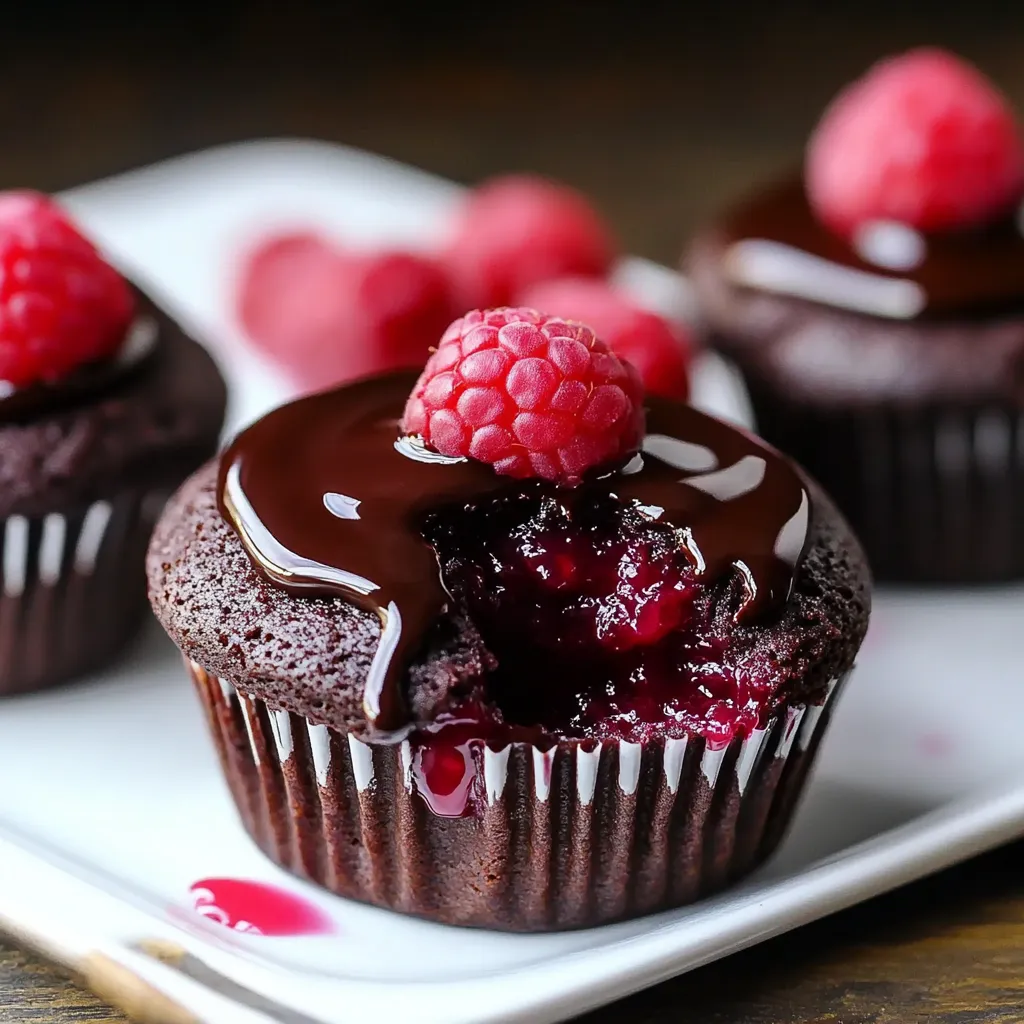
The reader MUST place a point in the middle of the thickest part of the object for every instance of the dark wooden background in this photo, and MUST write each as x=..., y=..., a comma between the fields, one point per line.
x=660, y=112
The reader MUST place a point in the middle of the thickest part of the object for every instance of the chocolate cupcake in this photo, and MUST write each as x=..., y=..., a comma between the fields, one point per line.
x=875, y=306
x=105, y=407
x=548, y=692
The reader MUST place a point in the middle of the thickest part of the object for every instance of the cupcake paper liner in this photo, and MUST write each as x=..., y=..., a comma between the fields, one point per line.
x=935, y=494
x=72, y=587
x=577, y=835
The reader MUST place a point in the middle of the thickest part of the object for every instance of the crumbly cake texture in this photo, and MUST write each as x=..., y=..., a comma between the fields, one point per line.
x=311, y=655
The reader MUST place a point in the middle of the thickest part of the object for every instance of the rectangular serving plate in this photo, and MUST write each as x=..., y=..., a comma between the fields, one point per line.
x=114, y=804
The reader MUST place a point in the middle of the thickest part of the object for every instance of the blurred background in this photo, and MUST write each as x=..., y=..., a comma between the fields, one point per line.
x=658, y=111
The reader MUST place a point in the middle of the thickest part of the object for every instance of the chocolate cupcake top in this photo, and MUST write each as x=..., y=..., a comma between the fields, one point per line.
x=775, y=242
x=119, y=426
x=692, y=586
x=329, y=497
x=98, y=388
x=874, y=273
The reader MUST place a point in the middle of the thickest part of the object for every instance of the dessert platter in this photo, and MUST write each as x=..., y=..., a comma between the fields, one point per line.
x=550, y=756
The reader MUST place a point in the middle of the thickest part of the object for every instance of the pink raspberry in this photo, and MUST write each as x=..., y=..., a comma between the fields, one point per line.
x=660, y=350
x=288, y=297
x=922, y=139
x=331, y=316
x=61, y=305
x=517, y=230
x=532, y=395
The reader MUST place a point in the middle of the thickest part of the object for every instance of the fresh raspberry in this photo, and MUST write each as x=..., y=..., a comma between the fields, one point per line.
x=532, y=395
x=922, y=139
x=287, y=290
x=331, y=316
x=517, y=230
x=659, y=350
x=61, y=305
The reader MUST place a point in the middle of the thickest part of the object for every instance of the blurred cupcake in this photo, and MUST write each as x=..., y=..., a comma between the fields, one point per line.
x=548, y=683
x=875, y=306
x=105, y=407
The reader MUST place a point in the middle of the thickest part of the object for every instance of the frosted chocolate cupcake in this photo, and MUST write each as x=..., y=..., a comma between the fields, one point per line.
x=482, y=648
x=105, y=407
x=875, y=306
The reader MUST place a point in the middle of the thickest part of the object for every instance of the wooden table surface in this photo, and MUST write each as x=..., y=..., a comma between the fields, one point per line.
x=659, y=116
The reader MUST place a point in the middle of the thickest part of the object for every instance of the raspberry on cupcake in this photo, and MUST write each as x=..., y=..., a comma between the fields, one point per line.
x=922, y=140
x=105, y=407
x=875, y=306
x=531, y=395
x=508, y=644
x=61, y=305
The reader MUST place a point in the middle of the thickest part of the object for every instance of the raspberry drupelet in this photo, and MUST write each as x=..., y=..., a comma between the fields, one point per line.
x=530, y=394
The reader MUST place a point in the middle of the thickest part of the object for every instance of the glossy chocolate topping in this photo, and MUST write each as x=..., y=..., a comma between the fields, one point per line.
x=328, y=499
x=774, y=242
x=141, y=338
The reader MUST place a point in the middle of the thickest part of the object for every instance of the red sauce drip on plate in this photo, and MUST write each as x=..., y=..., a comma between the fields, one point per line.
x=257, y=908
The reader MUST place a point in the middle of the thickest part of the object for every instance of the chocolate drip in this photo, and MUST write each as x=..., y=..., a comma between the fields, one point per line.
x=774, y=242
x=17, y=404
x=328, y=499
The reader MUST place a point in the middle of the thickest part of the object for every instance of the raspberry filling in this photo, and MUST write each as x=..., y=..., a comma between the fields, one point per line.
x=600, y=623
x=601, y=628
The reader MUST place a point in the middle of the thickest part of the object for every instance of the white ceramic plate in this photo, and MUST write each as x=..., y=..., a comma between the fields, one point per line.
x=113, y=805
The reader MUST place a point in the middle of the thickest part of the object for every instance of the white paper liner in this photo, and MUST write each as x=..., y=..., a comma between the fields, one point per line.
x=577, y=835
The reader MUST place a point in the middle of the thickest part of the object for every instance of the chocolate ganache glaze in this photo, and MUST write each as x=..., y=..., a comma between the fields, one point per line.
x=774, y=242
x=327, y=497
